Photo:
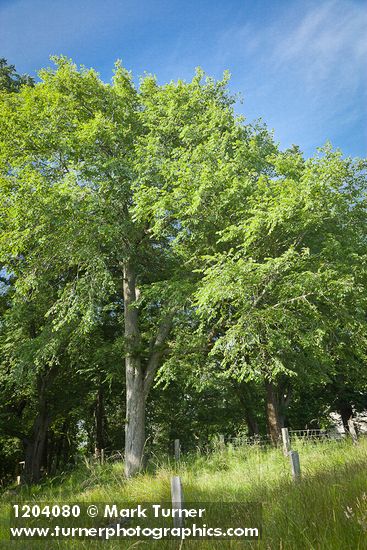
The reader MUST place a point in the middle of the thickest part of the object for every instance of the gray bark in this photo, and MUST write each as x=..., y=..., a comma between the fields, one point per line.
x=139, y=378
x=135, y=403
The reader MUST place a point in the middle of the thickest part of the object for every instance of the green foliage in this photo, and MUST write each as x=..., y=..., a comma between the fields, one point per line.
x=286, y=295
x=259, y=256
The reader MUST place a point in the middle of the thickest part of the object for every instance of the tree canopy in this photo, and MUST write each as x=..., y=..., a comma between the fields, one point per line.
x=157, y=249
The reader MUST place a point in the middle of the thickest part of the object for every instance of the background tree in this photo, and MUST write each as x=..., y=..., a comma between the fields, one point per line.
x=10, y=80
x=287, y=294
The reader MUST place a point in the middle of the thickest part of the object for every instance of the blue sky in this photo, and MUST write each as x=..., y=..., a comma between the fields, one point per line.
x=300, y=65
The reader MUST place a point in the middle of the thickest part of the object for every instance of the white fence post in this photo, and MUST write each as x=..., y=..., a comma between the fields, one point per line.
x=286, y=441
x=177, y=499
x=20, y=477
x=295, y=465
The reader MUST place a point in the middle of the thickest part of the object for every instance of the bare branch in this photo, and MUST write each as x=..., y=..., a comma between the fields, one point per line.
x=290, y=300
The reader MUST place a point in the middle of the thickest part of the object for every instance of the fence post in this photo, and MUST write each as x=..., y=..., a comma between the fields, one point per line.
x=221, y=441
x=352, y=431
x=295, y=465
x=20, y=477
x=177, y=449
x=286, y=441
x=177, y=499
x=102, y=456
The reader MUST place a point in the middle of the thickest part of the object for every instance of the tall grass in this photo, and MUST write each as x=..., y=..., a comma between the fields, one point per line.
x=326, y=510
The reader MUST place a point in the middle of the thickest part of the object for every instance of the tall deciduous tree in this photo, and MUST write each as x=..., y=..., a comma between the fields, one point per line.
x=286, y=294
x=81, y=162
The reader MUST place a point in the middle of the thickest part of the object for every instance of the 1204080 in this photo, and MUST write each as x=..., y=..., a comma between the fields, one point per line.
x=54, y=511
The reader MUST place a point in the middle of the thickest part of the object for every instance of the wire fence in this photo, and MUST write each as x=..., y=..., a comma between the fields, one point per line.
x=263, y=440
x=240, y=441
x=221, y=443
x=312, y=434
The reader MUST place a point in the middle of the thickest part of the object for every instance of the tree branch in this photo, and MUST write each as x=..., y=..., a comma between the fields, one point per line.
x=290, y=300
x=157, y=351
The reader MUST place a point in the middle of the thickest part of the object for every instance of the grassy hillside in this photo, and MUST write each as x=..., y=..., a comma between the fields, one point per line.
x=326, y=510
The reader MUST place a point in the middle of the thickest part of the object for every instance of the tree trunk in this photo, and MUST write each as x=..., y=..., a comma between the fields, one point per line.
x=253, y=427
x=135, y=400
x=243, y=391
x=346, y=412
x=35, y=447
x=139, y=378
x=272, y=412
x=56, y=451
x=135, y=420
x=100, y=420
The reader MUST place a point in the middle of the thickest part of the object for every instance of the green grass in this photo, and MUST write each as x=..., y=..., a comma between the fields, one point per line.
x=309, y=514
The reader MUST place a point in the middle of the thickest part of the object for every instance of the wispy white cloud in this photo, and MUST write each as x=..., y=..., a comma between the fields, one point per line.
x=330, y=42
x=306, y=69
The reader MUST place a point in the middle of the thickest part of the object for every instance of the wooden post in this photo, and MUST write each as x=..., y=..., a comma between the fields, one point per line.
x=221, y=442
x=352, y=431
x=102, y=456
x=295, y=465
x=177, y=449
x=177, y=499
x=286, y=441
